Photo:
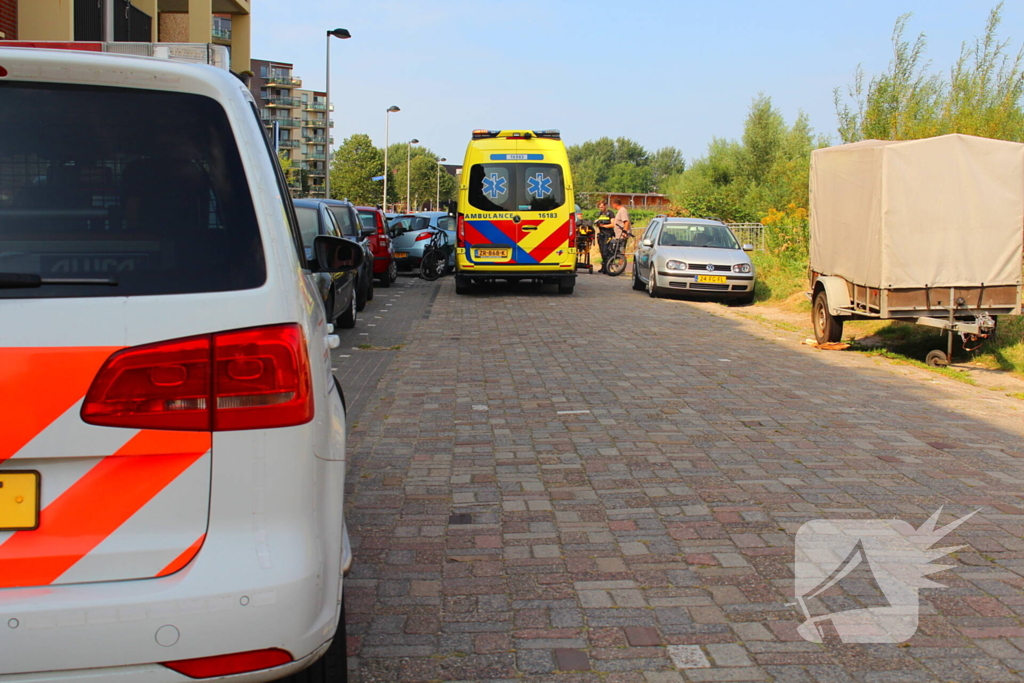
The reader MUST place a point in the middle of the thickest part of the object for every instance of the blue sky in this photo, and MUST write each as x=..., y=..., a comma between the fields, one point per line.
x=661, y=72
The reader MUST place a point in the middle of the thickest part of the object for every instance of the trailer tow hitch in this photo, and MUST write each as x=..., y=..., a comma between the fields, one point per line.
x=986, y=325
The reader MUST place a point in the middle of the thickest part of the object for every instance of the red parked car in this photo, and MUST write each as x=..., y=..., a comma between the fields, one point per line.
x=384, y=267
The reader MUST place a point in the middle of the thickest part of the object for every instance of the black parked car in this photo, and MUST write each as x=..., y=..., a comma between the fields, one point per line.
x=338, y=290
x=347, y=216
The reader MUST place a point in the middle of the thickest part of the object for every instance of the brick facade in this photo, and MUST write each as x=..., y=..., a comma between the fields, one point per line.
x=9, y=19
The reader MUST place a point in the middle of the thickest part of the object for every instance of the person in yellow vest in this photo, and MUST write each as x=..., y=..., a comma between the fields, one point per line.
x=605, y=231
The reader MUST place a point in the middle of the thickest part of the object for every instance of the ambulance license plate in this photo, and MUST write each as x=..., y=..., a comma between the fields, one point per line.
x=716, y=279
x=500, y=254
x=401, y=254
x=19, y=500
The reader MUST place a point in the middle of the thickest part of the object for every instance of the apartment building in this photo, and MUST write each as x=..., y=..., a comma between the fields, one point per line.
x=225, y=22
x=298, y=121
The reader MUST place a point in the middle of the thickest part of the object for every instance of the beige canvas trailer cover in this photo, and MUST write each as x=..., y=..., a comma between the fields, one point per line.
x=939, y=212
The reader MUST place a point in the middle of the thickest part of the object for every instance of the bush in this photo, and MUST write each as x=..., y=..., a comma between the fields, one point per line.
x=787, y=232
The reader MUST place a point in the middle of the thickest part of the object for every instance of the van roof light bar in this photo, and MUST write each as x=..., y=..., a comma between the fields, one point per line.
x=552, y=133
x=484, y=133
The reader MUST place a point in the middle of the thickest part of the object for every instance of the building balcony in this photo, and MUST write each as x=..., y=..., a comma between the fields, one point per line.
x=284, y=81
x=288, y=143
x=290, y=102
x=320, y=156
x=316, y=106
x=221, y=33
x=284, y=123
x=317, y=139
x=316, y=123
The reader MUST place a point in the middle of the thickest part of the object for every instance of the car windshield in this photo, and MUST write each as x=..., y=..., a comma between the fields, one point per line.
x=710, y=236
x=516, y=187
x=140, y=189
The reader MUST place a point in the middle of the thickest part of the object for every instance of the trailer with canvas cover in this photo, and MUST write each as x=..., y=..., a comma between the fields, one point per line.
x=927, y=231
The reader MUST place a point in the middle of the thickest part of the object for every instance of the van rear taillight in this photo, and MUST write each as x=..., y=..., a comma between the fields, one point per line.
x=460, y=231
x=255, y=378
x=572, y=229
x=261, y=379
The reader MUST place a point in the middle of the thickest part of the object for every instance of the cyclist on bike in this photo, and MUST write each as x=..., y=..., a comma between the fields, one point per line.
x=605, y=232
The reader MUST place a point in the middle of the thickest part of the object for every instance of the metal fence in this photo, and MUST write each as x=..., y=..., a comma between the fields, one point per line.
x=749, y=233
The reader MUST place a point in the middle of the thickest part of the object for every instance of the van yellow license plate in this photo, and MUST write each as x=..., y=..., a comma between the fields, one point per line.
x=715, y=279
x=499, y=254
x=19, y=500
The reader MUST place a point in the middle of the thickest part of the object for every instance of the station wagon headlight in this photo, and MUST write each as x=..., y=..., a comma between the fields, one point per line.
x=741, y=268
x=672, y=264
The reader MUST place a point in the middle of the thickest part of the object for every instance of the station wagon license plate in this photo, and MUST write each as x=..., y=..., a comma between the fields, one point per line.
x=19, y=500
x=716, y=279
x=401, y=254
x=499, y=254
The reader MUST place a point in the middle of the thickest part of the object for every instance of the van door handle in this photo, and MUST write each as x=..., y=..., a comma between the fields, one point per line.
x=529, y=227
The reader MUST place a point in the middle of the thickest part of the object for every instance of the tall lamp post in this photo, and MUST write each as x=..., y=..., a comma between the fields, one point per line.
x=408, y=174
x=437, y=200
x=343, y=34
x=387, y=131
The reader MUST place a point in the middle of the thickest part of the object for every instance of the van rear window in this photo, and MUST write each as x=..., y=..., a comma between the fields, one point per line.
x=134, y=192
x=516, y=187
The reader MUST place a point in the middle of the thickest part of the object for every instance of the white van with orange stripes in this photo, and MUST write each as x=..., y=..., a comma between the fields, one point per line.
x=172, y=440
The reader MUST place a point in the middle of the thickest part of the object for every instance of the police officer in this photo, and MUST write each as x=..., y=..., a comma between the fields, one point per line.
x=605, y=231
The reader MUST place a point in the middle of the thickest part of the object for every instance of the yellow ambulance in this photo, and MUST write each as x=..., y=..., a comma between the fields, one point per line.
x=516, y=218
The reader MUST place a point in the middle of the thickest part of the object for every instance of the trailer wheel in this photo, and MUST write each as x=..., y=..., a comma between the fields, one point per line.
x=936, y=359
x=827, y=327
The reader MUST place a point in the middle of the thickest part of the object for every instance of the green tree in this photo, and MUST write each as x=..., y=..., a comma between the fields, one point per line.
x=665, y=163
x=353, y=165
x=742, y=181
x=619, y=165
x=984, y=94
x=424, y=176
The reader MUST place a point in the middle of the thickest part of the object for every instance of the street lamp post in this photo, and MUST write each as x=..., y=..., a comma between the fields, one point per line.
x=387, y=131
x=343, y=34
x=408, y=174
x=437, y=199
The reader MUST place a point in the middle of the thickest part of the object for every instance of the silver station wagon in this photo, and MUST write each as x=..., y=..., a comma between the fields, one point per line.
x=693, y=256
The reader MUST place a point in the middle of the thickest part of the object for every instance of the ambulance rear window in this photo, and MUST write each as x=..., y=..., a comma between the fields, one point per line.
x=516, y=187
x=122, y=192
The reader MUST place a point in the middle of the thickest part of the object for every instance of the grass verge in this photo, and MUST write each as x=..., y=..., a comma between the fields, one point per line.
x=778, y=278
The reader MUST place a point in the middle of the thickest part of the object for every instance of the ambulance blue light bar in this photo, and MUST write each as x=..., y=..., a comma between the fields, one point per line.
x=552, y=133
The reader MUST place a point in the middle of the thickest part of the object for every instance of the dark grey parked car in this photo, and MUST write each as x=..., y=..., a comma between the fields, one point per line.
x=352, y=227
x=338, y=290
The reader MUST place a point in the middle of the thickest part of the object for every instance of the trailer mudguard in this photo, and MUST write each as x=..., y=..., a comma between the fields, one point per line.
x=837, y=292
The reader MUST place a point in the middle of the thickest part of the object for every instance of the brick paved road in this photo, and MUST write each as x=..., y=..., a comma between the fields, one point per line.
x=616, y=498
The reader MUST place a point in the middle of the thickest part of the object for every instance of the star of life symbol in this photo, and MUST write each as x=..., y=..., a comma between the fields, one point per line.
x=538, y=186
x=494, y=186
x=897, y=557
